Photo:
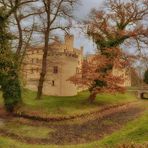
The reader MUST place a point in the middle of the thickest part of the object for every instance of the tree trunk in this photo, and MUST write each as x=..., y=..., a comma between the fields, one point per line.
x=92, y=97
x=45, y=51
x=44, y=68
x=44, y=65
x=41, y=82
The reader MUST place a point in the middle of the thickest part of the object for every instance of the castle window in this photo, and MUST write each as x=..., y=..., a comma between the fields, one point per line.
x=55, y=69
x=53, y=83
x=32, y=70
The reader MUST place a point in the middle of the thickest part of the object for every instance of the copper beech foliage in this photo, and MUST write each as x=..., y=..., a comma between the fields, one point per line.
x=94, y=68
x=117, y=23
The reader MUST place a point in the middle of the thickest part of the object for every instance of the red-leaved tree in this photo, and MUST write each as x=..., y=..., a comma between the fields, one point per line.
x=117, y=23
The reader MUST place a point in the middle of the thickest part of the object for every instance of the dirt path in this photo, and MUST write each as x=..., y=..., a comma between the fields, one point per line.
x=92, y=128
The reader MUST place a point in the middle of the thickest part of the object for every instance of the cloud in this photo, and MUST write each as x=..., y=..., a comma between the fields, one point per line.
x=85, y=7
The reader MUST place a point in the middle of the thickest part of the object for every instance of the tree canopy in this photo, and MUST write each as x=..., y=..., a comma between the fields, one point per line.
x=117, y=23
x=9, y=79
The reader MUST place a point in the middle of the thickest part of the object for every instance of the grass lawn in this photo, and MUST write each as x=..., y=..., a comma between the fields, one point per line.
x=59, y=106
x=134, y=131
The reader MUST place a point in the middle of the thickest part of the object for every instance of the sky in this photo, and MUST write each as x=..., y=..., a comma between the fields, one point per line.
x=82, y=12
x=86, y=5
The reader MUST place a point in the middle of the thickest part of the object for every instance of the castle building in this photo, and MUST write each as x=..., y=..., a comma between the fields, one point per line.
x=63, y=62
x=125, y=74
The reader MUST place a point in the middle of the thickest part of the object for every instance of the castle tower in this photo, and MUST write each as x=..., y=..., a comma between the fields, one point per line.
x=63, y=63
x=58, y=73
x=69, y=42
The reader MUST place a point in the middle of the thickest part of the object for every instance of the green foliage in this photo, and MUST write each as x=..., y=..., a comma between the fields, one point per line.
x=9, y=79
x=11, y=92
x=146, y=76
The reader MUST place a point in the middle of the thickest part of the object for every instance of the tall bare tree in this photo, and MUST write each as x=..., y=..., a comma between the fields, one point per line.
x=55, y=11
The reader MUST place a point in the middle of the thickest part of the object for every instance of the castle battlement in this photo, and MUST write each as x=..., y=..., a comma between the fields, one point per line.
x=65, y=53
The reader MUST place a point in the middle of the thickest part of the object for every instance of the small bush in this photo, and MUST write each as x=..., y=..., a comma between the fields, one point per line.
x=11, y=93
